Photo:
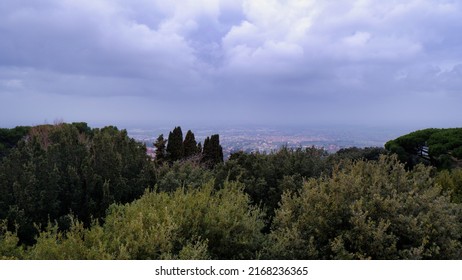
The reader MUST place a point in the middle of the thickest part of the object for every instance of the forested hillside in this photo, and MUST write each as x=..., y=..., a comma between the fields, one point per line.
x=441, y=148
x=68, y=191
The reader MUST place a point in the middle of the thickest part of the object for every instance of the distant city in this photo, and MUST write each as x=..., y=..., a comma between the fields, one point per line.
x=268, y=139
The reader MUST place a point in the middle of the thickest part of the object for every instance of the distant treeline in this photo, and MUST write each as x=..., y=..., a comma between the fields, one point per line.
x=176, y=148
x=68, y=191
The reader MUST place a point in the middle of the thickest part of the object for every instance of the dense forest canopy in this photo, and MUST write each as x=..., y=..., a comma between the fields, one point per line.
x=10, y=137
x=68, y=191
x=439, y=147
x=70, y=168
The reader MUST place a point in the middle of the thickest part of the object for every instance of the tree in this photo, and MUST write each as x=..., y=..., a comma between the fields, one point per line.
x=266, y=176
x=10, y=137
x=175, y=148
x=190, y=145
x=70, y=168
x=354, y=153
x=212, y=153
x=160, y=145
x=373, y=209
x=197, y=223
x=441, y=148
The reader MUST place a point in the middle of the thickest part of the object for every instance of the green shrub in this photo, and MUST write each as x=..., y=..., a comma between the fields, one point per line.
x=194, y=223
x=375, y=210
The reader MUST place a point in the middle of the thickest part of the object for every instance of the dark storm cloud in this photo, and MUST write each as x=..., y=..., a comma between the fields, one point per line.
x=264, y=61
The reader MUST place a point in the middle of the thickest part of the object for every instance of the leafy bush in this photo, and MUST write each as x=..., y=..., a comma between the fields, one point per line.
x=451, y=181
x=367, y=210
x=188, y=223
x=9, y=248
x=265, y=176
x=181, y=174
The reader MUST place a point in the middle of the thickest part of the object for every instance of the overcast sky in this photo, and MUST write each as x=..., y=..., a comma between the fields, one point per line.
x=284, y=62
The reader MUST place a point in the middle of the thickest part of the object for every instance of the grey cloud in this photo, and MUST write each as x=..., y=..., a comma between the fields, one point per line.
x=81, y=40
x=266, y=61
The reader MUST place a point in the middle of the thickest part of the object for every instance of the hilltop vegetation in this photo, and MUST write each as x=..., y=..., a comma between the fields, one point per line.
x=10, y=137
x=441, y=148
x=68, y=191
x=69, y=168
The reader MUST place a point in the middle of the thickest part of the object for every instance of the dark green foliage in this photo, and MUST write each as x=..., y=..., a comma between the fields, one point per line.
x=189, y=149
x=439, y=147
x=181, y=174
x=10, y=137
x=117, y=169
x=190, y=145
x=212, y=153
x=160, y=145
x=367, y=210
x=68, y=168
x=266, y=176
x=83, y=128
x=354, y=153
x=94, y=194
x=197, y=223
x=175, y=148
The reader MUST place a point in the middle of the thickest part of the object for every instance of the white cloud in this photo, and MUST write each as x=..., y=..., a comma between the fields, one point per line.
x=11, y=84
x=359, y=39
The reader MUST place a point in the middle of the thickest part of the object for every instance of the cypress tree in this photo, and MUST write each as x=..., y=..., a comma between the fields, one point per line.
x=190, y=145
x=175, y=149
x=160, y=149
x=213, y=152
x=216, y=148
x=206, y=150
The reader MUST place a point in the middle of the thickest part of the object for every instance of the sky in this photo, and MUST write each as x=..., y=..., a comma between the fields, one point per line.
x=291, y=62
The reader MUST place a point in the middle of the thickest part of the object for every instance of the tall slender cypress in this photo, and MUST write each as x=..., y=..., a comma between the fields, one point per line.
x=160, y=145
x=175, y=148
x=190, y=145
x=213, y=152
